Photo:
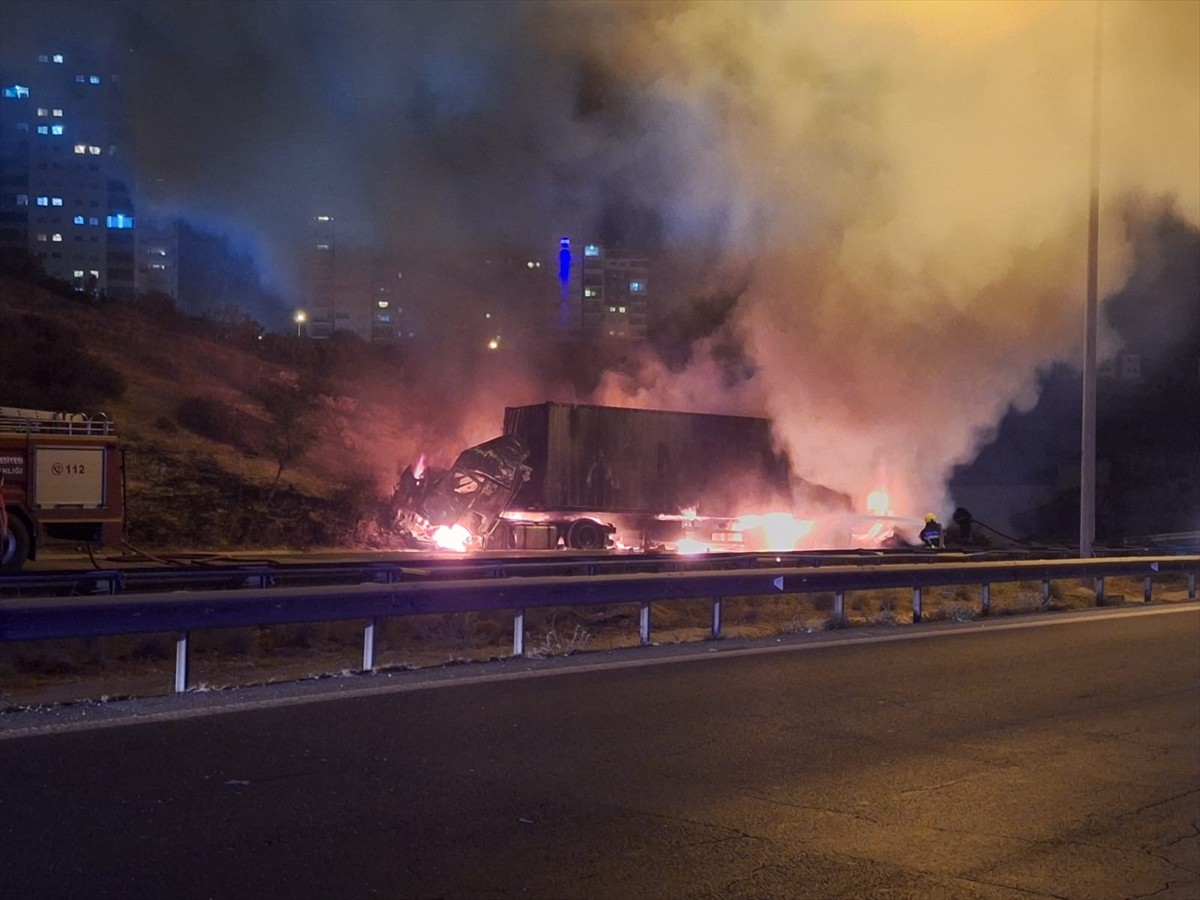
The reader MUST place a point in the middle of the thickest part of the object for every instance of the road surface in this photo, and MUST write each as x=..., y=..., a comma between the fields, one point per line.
x=1056, y=760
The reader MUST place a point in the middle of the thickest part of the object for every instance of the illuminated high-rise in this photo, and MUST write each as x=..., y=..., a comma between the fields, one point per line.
x=63, y=195
x=608, y=295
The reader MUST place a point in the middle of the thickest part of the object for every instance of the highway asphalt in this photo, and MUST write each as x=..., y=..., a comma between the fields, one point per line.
x=1056, y=760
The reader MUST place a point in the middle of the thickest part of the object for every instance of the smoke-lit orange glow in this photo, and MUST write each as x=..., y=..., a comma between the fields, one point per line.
x=875, y=534
x=419, y=468
x=965, y=23
x=780, y=531
x=691, y=546
x=452, y=537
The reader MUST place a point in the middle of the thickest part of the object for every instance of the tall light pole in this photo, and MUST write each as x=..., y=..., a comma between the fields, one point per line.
x=1087, y=464
x=300, y=318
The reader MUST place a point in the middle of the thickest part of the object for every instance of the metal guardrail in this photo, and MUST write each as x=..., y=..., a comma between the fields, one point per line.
x=226, y=572
x=48, y=618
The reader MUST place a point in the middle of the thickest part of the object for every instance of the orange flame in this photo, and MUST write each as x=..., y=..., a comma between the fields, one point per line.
x=781, y=531
x=452, y=537
x=879, y=503
x=419, y=468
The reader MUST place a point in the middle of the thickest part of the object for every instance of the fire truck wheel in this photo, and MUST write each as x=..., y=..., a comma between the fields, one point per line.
x=14, y=546
x=586, y=534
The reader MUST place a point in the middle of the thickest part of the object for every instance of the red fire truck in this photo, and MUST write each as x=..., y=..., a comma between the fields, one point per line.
x=61, y=477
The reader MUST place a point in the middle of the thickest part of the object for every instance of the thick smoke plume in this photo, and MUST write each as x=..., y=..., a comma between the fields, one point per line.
x=911, y=180
x=901, y=187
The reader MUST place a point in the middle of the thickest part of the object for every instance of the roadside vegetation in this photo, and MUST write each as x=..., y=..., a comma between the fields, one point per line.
x=48, y=673
x=234, y=438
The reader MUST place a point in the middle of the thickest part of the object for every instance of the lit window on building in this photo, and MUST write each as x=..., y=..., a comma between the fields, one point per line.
x=612, y=309
x=57, y=129
x=324, y=218
x=94, y=79
x=591, y=250
x=79, y=220
x=43, y=129
x=22, y=199
x=383, y=317
x=589, y=292
x=92, y=220
x=57, y=58
x=41, y=237
x=23, y=127
x=42, y=57
x=383, y=304
x=16, y=92
x=79, y=273
x=43, y=201
x=322, y=246
x=81, y=148
x=56, y=237
x=58, y=113
x=81, y=79
x=637, y=287
x=621, y=310
x=56, y=201
x=43, y=112
x=95, y=151
x=119, y=221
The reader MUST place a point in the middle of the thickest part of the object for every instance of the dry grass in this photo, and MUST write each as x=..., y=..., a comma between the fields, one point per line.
x=141, y=665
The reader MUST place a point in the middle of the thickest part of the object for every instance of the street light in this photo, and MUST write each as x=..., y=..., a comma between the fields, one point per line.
x=300, y=318
x=1087, y=462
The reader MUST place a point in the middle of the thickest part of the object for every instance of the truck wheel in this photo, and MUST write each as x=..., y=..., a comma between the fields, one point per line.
x=14, y=546
x=587, y=534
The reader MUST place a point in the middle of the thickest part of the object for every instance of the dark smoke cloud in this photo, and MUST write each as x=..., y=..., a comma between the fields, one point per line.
x=905, y=182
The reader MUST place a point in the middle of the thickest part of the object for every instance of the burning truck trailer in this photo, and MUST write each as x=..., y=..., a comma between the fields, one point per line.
x=595, y=477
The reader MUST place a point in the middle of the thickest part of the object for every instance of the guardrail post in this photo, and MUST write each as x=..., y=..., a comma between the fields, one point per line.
x=369, y=645
x=1191, y=585
x=716, y=617
x=181, y=662
x=519, y=633
x=1146, y=589
x=1098, y=589
x=916, y=605
x=986, y=609
x=839, y=605
x=1045, y=592
x=644, y=623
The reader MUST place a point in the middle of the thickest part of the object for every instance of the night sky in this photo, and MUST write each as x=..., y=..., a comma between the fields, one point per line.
x=898, y=189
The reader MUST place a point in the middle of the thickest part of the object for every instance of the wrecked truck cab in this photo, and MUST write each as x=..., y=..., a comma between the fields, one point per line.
x=459, y=507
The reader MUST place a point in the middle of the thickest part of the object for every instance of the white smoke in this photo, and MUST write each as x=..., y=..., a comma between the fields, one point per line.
x=912, y=182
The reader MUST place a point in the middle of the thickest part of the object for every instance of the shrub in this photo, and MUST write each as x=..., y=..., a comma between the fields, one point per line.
x=209, y=418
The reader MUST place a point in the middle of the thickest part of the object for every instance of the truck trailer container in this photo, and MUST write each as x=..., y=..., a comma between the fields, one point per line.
x=584, y=476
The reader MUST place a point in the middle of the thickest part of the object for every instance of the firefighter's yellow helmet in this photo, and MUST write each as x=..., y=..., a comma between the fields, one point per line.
x=930, y=517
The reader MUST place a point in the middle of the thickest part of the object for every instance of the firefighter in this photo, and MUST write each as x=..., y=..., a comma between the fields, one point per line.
x=933, y=535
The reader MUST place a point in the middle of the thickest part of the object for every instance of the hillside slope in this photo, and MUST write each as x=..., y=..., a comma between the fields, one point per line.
x=232, y=439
